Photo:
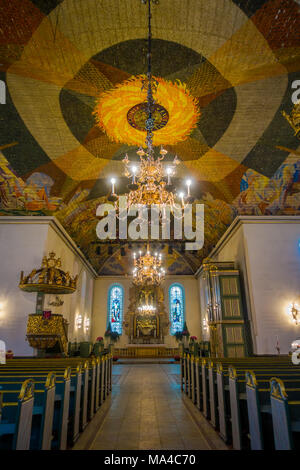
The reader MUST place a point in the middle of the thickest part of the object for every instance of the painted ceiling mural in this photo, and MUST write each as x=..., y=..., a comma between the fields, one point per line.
x=236, y=60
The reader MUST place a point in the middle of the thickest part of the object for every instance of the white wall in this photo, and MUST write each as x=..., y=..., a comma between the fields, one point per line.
x=23, y=243
x=274, y=269
x=102, y=285
x=80, y=302
x=267, y=252
x=21, y=249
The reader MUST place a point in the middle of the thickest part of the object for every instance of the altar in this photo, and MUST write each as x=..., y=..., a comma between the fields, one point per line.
x=145, y=351
x=146, y=322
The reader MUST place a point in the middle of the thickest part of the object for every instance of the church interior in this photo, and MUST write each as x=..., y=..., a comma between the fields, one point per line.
x=150, y=225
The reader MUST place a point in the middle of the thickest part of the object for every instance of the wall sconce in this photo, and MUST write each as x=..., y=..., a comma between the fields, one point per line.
x=86, y=325
x=2, y=307
x=294, y=312
x=79, y=321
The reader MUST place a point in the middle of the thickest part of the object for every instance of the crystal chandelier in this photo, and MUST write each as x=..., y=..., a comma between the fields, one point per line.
x=148, y=270
x=150, y=179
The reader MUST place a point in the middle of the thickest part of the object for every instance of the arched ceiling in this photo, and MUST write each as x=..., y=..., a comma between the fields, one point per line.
x=238, y=58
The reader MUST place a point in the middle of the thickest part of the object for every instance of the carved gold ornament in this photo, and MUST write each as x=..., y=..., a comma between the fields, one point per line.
x=44, y=334
x=49, y=279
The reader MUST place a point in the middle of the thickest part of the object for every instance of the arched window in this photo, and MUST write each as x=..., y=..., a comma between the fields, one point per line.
x=115, y=307
x=176, y=305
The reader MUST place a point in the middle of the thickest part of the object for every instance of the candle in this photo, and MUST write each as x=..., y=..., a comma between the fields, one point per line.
x=133, y=169
x=181, y=195
x=188, y=183
x=169, y=171
x=113, y=185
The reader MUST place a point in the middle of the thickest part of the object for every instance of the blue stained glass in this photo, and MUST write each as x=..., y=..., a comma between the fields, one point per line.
x=176, y=301
x=115, y=308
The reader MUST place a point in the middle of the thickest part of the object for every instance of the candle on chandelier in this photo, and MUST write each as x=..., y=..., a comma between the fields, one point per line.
x=188, y=183
x=169, y=172
x=134, y=170
x=181, y=195
x=113, y=181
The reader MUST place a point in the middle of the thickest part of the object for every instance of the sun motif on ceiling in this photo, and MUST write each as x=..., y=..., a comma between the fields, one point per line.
x=121, y=112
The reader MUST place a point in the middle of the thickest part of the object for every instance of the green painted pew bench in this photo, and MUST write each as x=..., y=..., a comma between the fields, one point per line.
x=91, y=388
x=259, y=410
x=205, y=388
x=193, y=380
x=285, y=415
x=68, y=399
x=213, y=394
x=198, y=384
x=42, y=412
x=61, y=404
x=16, y=408
x=238, y=400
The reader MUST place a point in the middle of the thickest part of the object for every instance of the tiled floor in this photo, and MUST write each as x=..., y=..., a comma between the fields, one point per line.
x=148, y=411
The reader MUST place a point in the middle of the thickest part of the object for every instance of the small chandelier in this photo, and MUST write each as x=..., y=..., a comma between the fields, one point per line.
x=150, y=179
x=147, y=309
x=148, y=269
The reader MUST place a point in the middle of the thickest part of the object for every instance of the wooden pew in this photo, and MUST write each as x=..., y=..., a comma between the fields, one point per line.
x=16, y=416
x=98, y=384
x=193, y=379
x=238, y=399
x=205, y=389
x=90, y=384
x=198, y=382
x=285, y=415
x=91, y=389
x=43, y=410
x=213, y=394
x=68, y=394
x=222, y=380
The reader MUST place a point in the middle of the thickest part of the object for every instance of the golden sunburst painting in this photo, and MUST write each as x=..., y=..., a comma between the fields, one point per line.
x=121, y=112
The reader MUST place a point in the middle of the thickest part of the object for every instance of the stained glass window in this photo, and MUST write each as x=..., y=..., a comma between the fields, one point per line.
x=115, y=307
x=176, y=303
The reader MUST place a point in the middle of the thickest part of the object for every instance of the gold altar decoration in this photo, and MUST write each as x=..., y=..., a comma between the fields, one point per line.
x=294, y=119
x=146, y=326
x=49, y=279
x=44, y=333
x=148, y=269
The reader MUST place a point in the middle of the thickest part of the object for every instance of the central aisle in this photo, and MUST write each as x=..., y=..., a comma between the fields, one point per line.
x=147, y=411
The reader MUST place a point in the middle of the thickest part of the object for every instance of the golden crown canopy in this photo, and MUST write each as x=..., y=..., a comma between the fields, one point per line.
x=49, y=279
